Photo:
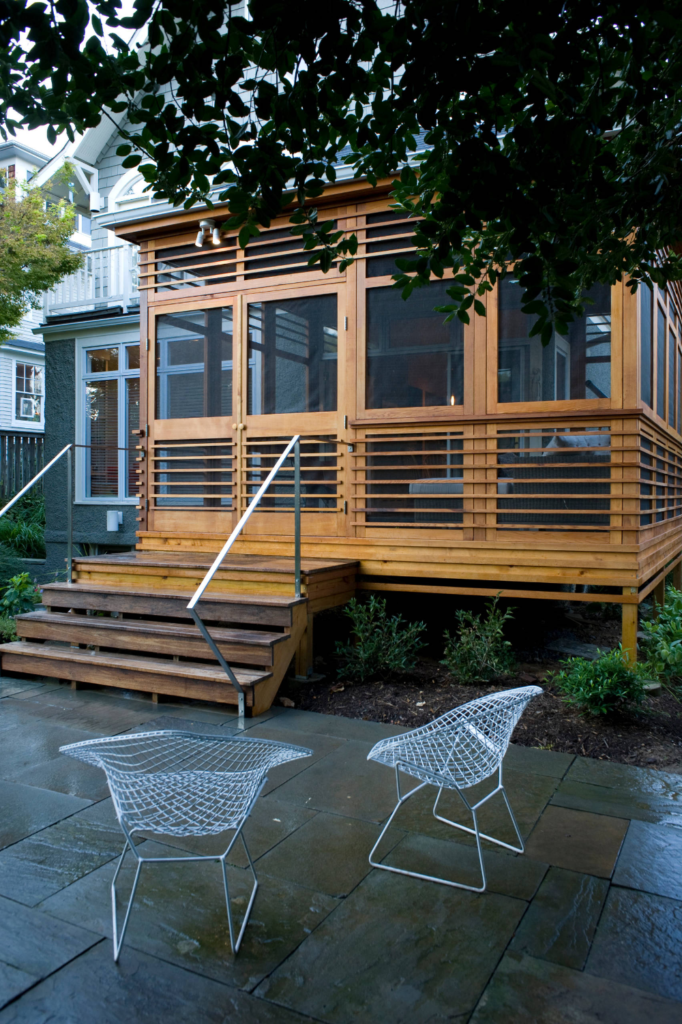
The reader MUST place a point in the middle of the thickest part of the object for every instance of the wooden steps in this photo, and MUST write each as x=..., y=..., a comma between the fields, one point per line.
x=124, y=622
x=155, y=675
x=242, y=646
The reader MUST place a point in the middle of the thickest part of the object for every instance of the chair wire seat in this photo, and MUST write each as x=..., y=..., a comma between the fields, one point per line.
x=183, y=784
x=460, y=749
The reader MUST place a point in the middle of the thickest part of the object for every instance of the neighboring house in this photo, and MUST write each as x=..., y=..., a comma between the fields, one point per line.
x=90, y=328
x=22, y=359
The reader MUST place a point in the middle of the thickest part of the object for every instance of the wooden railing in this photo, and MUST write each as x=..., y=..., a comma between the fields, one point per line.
x=21, y=457
x=618, y=479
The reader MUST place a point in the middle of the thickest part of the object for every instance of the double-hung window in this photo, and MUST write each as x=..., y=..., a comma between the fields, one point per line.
x=111, y=382
x=28, y=394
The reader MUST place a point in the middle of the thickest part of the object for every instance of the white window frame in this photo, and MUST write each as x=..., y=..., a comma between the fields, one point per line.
x=82, y=377
x=27, y=424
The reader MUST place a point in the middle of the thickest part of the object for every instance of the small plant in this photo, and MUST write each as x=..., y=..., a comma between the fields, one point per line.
x=20, y=596
x=479, y=651
x=8, y=630
x=663, y=643
x=379, y=643
x=602, y=686
x=22, y=529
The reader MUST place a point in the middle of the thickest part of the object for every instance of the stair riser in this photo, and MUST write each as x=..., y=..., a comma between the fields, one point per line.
x=127, y=679
x=158, y=604
x=187, y=647
x=177, y=579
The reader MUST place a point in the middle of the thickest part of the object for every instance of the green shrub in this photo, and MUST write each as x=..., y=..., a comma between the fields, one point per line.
x=20, y=596
x=8, y=630
x=10, y=565
x=22, y=529
x=479, y=651
x=662, y=646
x=603, y=686
x=379, y=643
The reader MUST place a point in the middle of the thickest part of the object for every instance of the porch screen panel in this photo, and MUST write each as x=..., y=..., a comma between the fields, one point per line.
x=572, y=366
x=194, y=364
x=414, y=358
x=293, y=355
x=646, y=350
x=102, y=436
x=671, y=379
x=660, y=363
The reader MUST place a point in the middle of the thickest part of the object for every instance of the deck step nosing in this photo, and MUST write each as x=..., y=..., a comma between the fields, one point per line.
x=158, y=629
x=137, y=663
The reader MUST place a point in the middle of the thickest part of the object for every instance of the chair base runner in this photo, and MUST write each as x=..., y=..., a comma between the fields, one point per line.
x=471, y=831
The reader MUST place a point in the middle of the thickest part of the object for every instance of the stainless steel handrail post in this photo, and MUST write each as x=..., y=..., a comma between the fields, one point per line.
x=69, y=519
x=297, y=517
x=191, y=607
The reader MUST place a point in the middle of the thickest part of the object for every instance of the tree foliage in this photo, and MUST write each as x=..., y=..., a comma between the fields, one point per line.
x=34, y=254
x=552, y=130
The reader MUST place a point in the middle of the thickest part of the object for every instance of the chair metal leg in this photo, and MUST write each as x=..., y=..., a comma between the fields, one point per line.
x=118, y=941
x=472, y=808
x=474, y=831
x=417, y=874
x=222, y=858
x=245, y=921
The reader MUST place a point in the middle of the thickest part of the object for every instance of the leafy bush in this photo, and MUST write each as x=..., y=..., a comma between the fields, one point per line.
x=379, y=643
x=22, y=529
x=10, y=565
x=603, y=686
x=479, y=651
x=8, y=630
x=663, y=643
x=20, y=596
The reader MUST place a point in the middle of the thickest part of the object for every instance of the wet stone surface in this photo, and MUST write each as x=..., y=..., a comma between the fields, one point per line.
x=584, y=928
x=562, y=919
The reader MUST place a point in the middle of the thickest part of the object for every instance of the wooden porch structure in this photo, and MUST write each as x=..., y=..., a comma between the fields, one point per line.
x=435, y=457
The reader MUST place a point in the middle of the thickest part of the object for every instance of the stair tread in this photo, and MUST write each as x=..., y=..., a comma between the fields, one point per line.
x=220, y=634
x=141, y=663
x=275, y=564
x=270, y=600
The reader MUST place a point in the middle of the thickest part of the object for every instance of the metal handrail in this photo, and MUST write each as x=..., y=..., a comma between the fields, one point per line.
x=69, y=503
x=295, y=445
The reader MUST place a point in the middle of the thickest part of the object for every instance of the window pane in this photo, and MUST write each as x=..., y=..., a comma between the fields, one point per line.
x=194, y=364
x=132, y=385
x=102, y=360
x=413, y=357
x=132, y=357
x=646, y=352
x=28, y=404
x=660, y=363
x=102, y=434
x=574, y=366
x=293, y=355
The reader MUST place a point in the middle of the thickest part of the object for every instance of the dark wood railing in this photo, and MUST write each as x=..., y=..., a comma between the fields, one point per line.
x=21, y=457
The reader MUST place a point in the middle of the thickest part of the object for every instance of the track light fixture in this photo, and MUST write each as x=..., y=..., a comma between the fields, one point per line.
x=205, y=229
x=215, y=238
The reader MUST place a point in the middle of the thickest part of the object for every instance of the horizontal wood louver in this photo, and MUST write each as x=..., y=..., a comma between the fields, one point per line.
x=192, y=474
x=319, y=474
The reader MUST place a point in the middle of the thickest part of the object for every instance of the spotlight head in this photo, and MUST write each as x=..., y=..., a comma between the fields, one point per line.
x=215, y=238
x=200, y=238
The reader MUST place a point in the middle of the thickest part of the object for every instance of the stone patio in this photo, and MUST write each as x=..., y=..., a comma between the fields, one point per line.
x=585, y=927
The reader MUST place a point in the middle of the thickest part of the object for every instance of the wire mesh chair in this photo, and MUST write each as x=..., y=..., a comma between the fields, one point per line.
x=183, y=784
x=463, y=747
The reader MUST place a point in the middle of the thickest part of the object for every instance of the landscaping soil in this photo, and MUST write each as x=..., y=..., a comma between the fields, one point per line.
x=650, y=737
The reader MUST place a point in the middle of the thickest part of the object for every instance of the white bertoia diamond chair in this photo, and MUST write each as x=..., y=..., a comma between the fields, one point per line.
x=183, y=784
x=456, y=751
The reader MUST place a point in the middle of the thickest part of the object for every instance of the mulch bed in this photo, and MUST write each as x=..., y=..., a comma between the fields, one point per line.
x=650, y=737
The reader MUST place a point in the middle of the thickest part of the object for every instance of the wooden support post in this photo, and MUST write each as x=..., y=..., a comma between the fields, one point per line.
x=304, y=651
x=677, y=576
x=658, y=596
x=629, y=631
x=74, y=684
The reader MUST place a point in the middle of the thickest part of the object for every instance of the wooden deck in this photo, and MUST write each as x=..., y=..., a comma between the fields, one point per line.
x=124, y=622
